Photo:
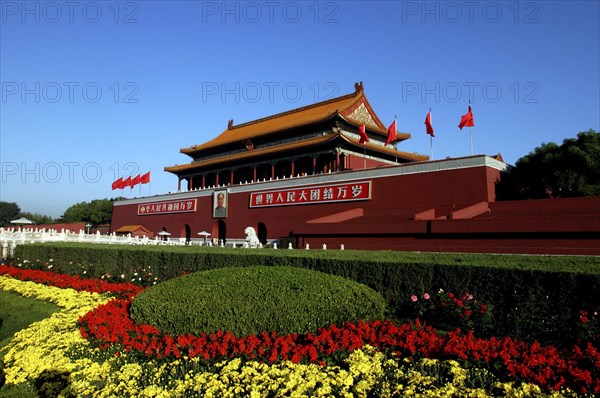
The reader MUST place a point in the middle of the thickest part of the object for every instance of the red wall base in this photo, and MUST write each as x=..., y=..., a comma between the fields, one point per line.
x=447, y=205
x=562, y=246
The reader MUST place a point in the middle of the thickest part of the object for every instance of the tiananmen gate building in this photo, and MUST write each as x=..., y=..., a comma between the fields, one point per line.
x=305, y=176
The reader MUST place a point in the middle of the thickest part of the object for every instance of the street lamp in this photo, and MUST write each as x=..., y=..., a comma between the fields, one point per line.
x=88, y=228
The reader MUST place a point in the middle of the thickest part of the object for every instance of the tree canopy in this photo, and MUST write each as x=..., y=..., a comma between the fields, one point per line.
x=566, y=170
x=98, y=211
x=8, y=211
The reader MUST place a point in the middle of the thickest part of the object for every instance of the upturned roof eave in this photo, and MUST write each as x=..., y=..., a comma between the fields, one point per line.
x=179, y=169
x=391, y=151
x=400, y=136
x=228, y=137
x=190, y=151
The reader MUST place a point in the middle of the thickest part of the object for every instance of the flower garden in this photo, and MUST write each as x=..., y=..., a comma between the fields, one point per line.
x=92, y=347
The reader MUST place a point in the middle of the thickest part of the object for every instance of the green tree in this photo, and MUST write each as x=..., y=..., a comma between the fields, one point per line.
x=8, y=212
x=38, y=218
x=98, y=211
x=566, y=170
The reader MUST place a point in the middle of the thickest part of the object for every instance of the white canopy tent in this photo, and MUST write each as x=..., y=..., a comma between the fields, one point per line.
x=22, y=221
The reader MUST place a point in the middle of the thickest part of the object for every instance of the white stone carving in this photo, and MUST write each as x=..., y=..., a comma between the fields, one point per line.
x=251, y=237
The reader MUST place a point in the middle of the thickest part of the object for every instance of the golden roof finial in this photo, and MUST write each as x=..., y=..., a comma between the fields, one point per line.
x=358, y=87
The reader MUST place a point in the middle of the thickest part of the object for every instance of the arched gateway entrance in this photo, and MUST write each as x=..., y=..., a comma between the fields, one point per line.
x=220, y=231
x=262, y=233
x=188, y=233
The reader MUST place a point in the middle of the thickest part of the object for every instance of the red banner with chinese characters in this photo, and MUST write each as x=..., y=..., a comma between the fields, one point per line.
x=172, y=206
x=309, y=195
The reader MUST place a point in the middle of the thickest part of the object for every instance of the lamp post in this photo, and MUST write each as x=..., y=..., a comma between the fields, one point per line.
x=88, y=225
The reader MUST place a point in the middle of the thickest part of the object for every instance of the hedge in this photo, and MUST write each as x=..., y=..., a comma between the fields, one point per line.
x=534, y=297
x=251, y=300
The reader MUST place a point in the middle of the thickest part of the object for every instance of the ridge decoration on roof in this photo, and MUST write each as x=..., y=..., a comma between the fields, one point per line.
x=354, y=108
x=362, y=115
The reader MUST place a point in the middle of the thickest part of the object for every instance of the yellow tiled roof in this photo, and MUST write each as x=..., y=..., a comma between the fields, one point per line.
x=297, y=117
x=385, y=149
x=293, y=145
x=130, y=228
x=253, y=153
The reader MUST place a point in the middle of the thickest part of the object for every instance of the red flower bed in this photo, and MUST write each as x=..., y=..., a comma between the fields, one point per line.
x=67, y=281
x=578, y=369
x=547, y=366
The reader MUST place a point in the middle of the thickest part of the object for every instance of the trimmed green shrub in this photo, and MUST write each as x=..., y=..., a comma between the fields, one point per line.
x=534, y=297
x=253, y=299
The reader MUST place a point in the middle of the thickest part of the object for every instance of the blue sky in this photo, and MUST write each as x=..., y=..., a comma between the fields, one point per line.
x=94, y=90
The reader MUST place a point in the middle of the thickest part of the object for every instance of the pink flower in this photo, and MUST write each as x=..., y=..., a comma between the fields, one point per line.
x=426, y=296
x=413, y=298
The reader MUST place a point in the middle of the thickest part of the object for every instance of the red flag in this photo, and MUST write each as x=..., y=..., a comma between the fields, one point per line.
x=125, y=183
x=466, y=120
x=428, y=125
x=117, y=183
x=363, y=135
x=145, y=179
x=136, y=180
x=391, y=133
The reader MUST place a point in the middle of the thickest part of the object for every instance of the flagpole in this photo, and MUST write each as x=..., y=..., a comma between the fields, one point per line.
x=471, y=139
x=430, y=148
x=470, y=132
x=395, y=142
x=430, y=138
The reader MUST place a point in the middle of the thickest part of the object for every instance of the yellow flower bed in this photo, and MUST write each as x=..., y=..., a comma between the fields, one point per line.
x=41, y=347
x=55, y=344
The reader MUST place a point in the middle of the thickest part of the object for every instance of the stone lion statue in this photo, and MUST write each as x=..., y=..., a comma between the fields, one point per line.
x=251, y=237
